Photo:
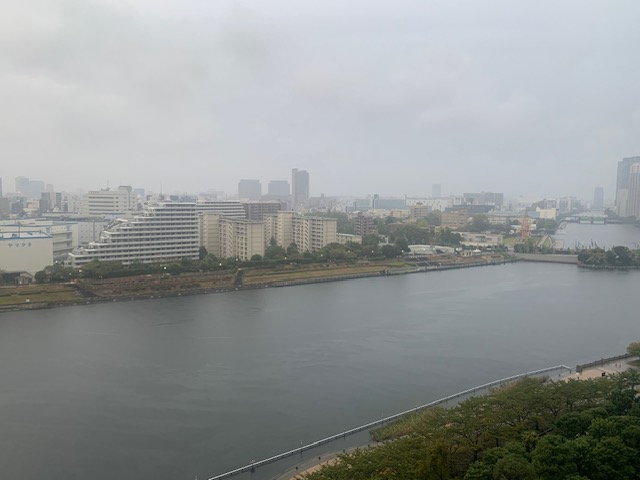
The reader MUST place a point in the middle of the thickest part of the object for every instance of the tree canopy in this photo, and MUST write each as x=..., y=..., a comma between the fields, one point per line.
x=532, y=429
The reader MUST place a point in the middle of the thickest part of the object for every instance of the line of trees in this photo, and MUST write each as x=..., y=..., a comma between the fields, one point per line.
x=616, y=257
x=573, y=430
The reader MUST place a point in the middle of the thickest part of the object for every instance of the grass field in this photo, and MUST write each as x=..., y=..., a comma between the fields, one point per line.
x=19, y=296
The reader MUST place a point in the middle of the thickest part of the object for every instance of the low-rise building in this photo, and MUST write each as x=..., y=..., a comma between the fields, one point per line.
x=344, y=238
x=25, y=251
x=454, y=220
x=485, y=240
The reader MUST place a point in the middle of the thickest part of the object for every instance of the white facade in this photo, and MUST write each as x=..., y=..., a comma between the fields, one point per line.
x=104, y=202
x=164, y=232
x=228, y=209
x=547, y=213
x=25, y=251
x=64, y=234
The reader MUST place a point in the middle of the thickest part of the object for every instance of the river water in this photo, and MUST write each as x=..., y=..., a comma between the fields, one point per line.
x=170, y=388
x=605, y=236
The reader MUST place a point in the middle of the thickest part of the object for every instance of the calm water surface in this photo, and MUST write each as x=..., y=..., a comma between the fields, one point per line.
x=604, y=236
x=165, y=389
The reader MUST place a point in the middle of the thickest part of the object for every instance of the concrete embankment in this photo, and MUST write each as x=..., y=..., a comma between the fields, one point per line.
x=547, y=258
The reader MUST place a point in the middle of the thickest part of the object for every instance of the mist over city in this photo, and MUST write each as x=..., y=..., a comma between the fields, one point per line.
x=372, y=97
x=291, y=240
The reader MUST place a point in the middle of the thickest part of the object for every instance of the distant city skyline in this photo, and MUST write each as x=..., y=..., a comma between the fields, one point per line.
x=379, y=97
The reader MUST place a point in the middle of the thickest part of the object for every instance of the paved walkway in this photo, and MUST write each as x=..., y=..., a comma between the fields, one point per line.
x=600, y=371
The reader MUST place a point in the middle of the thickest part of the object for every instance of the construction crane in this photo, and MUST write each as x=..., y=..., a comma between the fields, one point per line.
x=525, y=228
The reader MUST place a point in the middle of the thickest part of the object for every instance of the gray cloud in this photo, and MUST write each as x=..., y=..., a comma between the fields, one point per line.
x=370, y=97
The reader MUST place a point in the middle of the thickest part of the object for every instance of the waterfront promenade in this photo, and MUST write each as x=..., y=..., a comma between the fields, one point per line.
x=595, y=369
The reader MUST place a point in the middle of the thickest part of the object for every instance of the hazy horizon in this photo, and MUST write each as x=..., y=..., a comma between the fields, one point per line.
x=530, y=98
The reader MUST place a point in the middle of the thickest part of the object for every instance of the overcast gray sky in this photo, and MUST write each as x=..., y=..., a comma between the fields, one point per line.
x=381, y=97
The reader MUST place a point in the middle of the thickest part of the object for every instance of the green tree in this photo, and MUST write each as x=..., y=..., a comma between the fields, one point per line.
x=634, y=349
x=292, y=249
x=202, y=253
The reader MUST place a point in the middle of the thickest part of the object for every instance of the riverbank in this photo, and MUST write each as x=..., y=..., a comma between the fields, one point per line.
x=87, y=291
x=597, y=369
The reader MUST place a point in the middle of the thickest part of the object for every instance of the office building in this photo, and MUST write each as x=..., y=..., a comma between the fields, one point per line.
x=109, y=202
x=484, y=198
x=622, y=185
x=163, y=232
x=299, y=188
x=249, y=190
x=454, y=219
x=633, y=201
x=0, y=187
x=598, y=198
x=22, y=186
x=436, y=190
x=36, y=187
x=278, y=188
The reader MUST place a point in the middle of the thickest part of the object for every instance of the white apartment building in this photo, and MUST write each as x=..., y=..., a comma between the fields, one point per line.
x=108, y=202
x=164, y=232
x=228, y=209
x=308, y=233
x=230, y=237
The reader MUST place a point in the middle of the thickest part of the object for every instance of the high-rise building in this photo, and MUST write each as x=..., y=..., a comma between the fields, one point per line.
x=231, y=238
x=0, y=187
x=308, y=233
x=622, y=184
x=278, y=188
x=106, y=202
x=299, y=187
x=256, y=211
x=36, y=187
x=633, y=202
x=164, y=232
x=227, y=208
x=598, y=197
x=363, y=224
x=22, y=186
x=436, y=190
x=249, y=189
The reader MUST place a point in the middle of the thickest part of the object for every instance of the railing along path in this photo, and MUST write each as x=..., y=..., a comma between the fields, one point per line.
x=252, y=466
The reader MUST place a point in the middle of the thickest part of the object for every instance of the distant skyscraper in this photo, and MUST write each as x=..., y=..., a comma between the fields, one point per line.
x=633, y=203
x=249, y=189
x=0, y=187
x=299, y=187
x=598, y=197
x=48, y=188
x=436, y=190
x=278, y=188
x=22, y=186
x=36, y=187
x=622, y=185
